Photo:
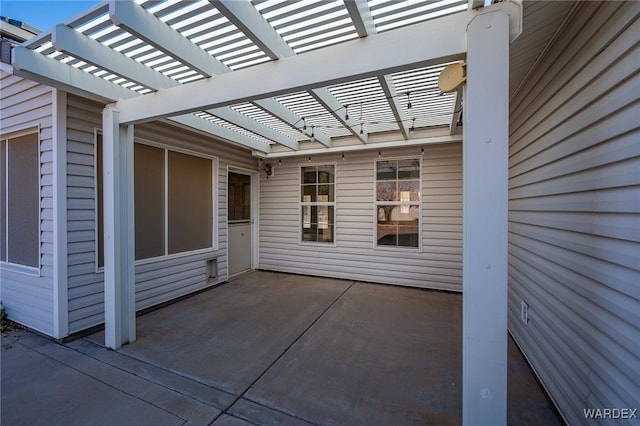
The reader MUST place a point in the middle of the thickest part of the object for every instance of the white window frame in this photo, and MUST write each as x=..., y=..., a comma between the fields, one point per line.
x=302, y=204
x=6, y=265
x=214, y=212
x=377, y=203
x=96, y=199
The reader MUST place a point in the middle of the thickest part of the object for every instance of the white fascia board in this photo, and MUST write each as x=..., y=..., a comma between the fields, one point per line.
x=429, y=140
x=390, y=92
x=144, y=25
x=324, y=97
x=37, y=67
x=239, y=119
x=429, y=43
x=212, y=129
x=361, y=16
x=89, y=50
x=251, y=22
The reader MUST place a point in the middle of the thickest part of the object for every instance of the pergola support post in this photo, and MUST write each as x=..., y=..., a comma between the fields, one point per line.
x=485, y=215
x=118, y=208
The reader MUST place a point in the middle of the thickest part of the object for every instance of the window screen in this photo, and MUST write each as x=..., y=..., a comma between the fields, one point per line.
x=21, y=200
x=172, y=215
x=149, y=200
x=190, y=207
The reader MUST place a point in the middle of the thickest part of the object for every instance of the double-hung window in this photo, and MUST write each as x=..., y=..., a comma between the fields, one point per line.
x=317, y=203
x=398, y=203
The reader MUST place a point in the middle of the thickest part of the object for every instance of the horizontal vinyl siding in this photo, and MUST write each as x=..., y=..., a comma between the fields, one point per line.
x=157, y=281
x=86, y=287
x=166, y=279
x=28, y=299
x=353, y=256
x=574, y=223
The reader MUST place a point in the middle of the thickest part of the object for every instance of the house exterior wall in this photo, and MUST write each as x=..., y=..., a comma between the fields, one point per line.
x=574, y=223
x=26, y=107
x=438, y=264
x=157, y=280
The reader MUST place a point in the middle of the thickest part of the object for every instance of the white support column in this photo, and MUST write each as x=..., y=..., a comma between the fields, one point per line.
x=119, y=273
x=485, y=211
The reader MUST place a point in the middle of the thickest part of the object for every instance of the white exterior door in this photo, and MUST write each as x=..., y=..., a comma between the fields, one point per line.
x=240, y=223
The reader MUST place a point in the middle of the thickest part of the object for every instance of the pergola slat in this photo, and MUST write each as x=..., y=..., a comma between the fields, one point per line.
x=371, y=56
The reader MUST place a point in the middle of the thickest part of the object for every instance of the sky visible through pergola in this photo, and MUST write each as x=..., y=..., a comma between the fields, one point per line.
x=42, y=14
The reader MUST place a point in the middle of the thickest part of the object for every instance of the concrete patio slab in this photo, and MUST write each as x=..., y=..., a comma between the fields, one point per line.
x=266, y=348
x=226, y=420
x=229, y=337
x=379, y=355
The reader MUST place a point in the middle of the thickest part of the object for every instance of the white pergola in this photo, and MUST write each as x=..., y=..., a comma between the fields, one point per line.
x=285, y=78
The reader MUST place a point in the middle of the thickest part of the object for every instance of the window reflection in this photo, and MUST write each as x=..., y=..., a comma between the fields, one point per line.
x=398, y=202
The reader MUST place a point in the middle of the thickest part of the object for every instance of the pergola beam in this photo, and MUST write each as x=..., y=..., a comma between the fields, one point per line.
x=144, y=25
x=360, y=14
x=33, y=65
x=95, y=53
x=91, y=51
x=205, y=126
x=155, y=32
x=366, y=57
x=239, y=119
x=284, y=114
x=361, y=17
x=330, y=103
x=247, y=18
x=37, y=67
x=390, y=92
x=475, y=4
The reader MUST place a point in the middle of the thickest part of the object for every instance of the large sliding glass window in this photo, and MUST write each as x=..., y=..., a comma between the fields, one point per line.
x=317, y=203
x=20, y=200
x=398, y=203
x=173, y=196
